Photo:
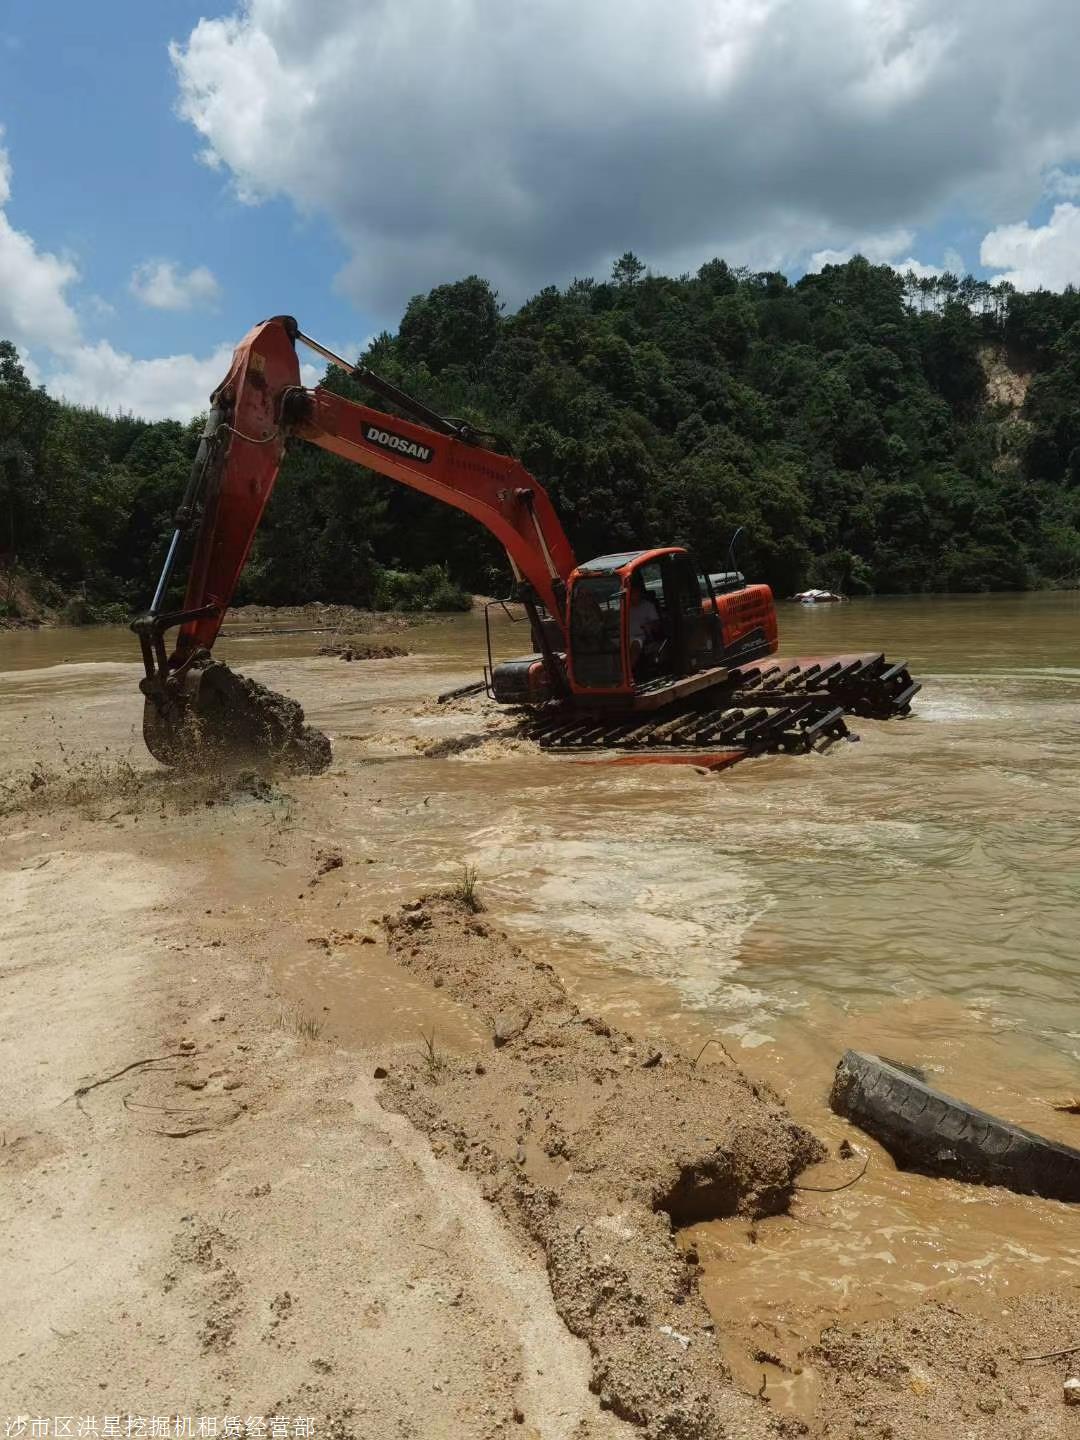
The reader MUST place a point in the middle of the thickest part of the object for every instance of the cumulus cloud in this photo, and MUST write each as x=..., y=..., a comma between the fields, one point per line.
x=1062, y=184
x=162, y=285
x=37, y=314
x=34, y=308
x=1034, y=257
x=532, y=142
x=173, y=387
x=886, y=249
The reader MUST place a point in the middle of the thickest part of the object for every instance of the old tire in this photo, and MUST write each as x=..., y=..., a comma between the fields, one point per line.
x=930, y=1132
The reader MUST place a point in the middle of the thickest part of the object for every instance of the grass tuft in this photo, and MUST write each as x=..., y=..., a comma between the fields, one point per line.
x=308, y=1027
x=433, y=1061
x=464, y=891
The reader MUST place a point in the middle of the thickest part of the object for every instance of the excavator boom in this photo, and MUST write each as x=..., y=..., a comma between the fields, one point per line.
x=261, y=403
x=194, y=705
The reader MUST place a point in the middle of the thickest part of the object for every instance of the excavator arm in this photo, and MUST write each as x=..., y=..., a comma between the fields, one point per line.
x=259, y=406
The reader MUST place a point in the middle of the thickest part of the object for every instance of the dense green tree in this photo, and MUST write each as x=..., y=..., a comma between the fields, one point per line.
x=846, y=421
x=628, y=269
x=452, y=325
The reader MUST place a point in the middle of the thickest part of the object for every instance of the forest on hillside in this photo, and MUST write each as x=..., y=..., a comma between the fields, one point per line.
x=871, y=431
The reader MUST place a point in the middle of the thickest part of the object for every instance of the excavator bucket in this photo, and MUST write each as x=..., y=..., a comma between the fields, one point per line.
x=209, y=717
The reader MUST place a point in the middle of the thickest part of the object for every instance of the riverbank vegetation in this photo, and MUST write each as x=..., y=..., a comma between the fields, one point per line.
x=871, y=432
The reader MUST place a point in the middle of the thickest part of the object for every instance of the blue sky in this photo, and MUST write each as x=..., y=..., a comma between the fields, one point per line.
x=329, y=158
x=105, y=172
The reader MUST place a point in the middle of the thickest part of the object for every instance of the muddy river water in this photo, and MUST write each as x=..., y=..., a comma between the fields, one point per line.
x=916, y=893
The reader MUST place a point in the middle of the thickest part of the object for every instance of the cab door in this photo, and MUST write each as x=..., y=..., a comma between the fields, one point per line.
x=597, y=630
x=695, y=624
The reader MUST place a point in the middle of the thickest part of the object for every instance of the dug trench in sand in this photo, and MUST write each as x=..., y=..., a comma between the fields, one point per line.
x=595, y=1145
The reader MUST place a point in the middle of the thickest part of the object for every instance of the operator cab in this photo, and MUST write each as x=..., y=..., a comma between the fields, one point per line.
x=639, y=619
x=644, y=628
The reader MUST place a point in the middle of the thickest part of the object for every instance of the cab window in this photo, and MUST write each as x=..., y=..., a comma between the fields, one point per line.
x=647, y=631
x=596, y=631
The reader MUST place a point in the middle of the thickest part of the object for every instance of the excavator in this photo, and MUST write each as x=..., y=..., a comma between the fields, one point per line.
x=642, y=653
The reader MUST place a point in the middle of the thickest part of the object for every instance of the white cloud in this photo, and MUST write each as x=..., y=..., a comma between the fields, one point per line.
x=162, y=285
x=885, y=249
x=533, y=142
x=1036, y=257
x=1062, y=184
x=878, y=249
x=918, y=268
x=174, y=387
x=37, y=314
x=34, y=308
x=98, y=308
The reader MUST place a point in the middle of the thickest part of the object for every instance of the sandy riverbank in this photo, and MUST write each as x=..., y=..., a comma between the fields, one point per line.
x=246, y=1221
x=234, y=1224
x=478, y=1243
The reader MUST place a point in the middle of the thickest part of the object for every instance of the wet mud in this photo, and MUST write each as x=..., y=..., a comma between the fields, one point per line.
x=228, y=720
x=615, y=1155
x=598, y=1146
x=937, y=1371
x=362, y=652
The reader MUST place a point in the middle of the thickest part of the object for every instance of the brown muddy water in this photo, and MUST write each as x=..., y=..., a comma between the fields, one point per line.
x=916, y=893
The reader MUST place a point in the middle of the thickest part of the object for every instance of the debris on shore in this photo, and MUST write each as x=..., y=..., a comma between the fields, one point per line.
x=316, y=616
x=926, y=1130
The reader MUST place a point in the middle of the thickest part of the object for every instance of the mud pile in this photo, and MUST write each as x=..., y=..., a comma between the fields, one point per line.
x=362, y=652
x=597, y=1146
x=318, y=616
x=102, y=787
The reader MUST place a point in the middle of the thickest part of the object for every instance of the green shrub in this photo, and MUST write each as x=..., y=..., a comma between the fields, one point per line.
x=430, y=589
x=79, y=610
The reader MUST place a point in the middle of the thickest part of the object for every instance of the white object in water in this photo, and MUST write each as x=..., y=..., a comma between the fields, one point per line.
x=817, y=597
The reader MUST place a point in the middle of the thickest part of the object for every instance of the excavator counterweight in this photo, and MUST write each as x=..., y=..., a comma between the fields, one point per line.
x=640, y=650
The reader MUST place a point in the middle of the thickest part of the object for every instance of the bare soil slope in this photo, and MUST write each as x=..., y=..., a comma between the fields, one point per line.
x=593, y=1144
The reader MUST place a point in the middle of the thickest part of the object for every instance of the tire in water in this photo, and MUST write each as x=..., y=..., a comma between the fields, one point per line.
x=932, y=1133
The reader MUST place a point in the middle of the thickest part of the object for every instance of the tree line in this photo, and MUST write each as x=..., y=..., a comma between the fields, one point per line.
x=870, y=431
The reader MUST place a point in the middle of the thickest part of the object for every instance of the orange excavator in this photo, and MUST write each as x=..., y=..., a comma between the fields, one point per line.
x=642, y=651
